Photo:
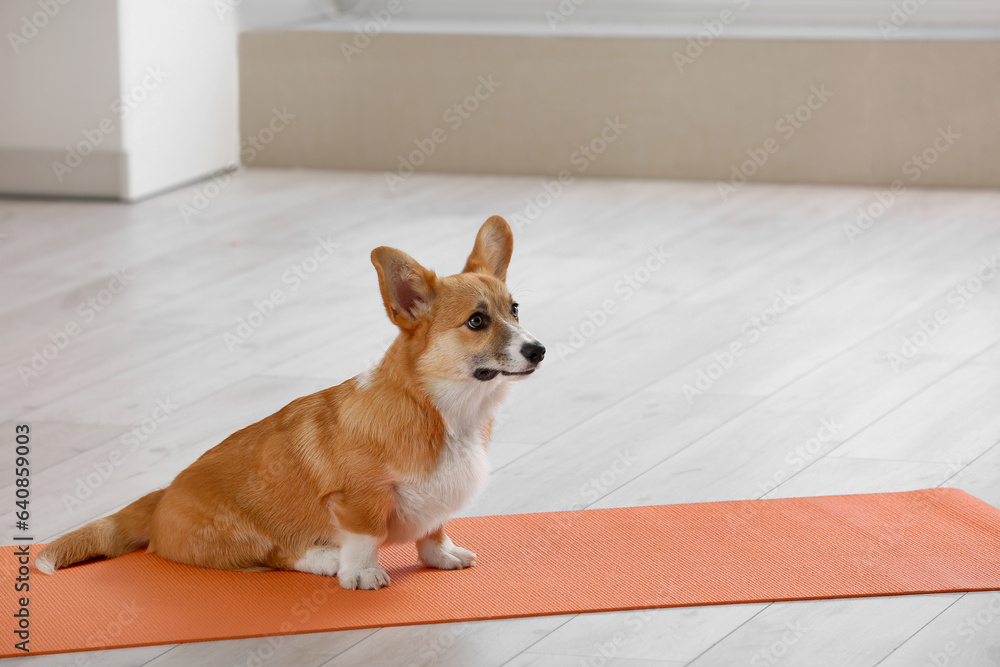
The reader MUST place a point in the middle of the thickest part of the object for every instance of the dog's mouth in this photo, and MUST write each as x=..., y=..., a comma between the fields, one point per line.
x=485, y=374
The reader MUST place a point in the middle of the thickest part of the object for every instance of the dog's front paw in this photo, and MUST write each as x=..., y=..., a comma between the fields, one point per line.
x=367, y=578
x=445, y=555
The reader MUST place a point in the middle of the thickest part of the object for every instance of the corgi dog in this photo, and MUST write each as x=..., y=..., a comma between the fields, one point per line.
x=385, y=457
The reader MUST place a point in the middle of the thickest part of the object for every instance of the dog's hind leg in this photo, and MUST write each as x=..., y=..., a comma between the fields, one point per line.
x=319, y=560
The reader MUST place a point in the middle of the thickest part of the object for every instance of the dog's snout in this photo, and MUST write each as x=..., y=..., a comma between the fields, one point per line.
x=533, y=351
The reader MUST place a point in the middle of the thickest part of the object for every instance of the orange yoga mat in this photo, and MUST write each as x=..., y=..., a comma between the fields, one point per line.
x=931, y=541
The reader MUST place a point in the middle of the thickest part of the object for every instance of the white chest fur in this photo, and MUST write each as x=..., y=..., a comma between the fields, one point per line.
x=425, y=502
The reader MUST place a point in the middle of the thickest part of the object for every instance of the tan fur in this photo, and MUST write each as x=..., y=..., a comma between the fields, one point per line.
x=125, y=531
x=329, y=462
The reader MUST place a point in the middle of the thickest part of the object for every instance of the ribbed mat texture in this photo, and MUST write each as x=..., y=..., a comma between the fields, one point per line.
x=930, y=541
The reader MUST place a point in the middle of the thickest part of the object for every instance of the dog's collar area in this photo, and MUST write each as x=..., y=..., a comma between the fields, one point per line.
x=485, y=374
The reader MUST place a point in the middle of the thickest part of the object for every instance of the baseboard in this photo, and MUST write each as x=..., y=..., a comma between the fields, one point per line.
x=35, y=172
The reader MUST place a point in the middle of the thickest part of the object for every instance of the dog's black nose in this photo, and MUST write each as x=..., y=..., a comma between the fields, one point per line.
x=533, y=352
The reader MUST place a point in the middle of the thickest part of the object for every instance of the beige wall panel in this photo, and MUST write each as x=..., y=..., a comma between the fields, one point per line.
x=887, y=102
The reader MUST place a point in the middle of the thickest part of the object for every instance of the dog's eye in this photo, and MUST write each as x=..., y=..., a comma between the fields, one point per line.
x=476, y=322
x=513, y=310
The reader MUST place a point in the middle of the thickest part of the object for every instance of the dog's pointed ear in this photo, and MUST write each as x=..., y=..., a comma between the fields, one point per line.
x=407, y=288
x=494, y=246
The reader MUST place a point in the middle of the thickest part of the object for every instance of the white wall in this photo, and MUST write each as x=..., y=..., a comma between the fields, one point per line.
x=58, y=79
x=45, y=105
x=115, y=98
x=179, y=77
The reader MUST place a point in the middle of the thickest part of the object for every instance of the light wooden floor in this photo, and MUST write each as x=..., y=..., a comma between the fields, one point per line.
x=931, y=421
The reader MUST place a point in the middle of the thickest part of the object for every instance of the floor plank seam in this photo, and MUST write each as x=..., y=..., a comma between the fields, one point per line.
x=776, y=391
x=909, y=398
x=918, y=631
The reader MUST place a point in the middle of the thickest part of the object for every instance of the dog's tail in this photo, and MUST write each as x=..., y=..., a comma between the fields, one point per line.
x=124, y=531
